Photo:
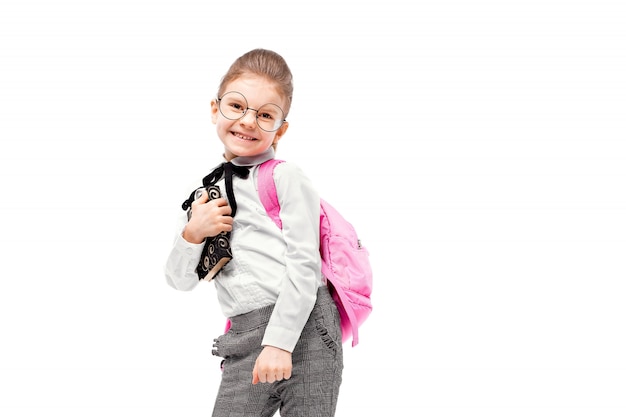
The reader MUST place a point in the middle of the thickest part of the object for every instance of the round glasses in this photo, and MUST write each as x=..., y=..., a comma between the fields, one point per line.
x=233, y=106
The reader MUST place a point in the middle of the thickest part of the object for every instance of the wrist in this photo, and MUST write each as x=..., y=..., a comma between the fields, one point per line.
x=191, y=237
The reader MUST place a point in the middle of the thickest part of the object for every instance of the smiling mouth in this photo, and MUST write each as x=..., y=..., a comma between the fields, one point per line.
x=244, y=137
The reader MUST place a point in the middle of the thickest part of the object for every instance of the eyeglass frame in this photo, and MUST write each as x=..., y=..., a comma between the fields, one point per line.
x=256, y=118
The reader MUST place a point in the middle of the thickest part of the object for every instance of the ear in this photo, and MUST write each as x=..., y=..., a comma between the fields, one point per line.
x=280, y=132
x=214, y=111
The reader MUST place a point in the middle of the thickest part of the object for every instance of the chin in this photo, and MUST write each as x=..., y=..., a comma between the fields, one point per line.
x=245, y=152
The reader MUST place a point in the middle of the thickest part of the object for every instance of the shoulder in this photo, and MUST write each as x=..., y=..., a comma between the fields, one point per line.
x=291, y=180
x=294, y=189
x=288, y=171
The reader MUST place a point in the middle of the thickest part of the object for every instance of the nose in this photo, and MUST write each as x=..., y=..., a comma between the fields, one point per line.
x=248, y=119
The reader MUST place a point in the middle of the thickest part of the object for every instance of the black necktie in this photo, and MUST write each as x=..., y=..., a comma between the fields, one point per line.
x=216, y=252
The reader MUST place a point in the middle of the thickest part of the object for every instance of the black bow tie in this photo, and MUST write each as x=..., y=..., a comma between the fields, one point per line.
x=226, y=170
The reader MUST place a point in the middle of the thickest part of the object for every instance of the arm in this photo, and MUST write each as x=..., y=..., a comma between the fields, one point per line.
x=300, y=215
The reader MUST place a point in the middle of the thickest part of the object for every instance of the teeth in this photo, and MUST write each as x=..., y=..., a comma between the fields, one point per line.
x=243, y=137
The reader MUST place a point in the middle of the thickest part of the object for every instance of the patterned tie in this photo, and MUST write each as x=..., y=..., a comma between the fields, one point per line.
x=216, y=252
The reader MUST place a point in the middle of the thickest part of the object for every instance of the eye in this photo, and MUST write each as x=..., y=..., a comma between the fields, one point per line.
x=236, y=106
x=270, y=112
x=234, y=103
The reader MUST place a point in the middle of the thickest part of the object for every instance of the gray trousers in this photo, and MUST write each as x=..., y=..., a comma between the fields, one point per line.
x=317, y=359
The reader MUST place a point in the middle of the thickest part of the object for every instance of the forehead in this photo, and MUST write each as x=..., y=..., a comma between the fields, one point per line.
x=258, y=90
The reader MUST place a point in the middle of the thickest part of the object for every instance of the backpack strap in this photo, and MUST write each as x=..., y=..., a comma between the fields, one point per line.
x=267, y=190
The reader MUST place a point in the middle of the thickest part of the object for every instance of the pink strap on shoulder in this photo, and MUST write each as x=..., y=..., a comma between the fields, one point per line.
x=267, y=190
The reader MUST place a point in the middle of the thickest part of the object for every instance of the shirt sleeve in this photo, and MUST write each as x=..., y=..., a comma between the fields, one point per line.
x=300, y=216
x=180, y=267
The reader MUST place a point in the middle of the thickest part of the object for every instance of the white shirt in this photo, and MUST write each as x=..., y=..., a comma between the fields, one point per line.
x=269, y=266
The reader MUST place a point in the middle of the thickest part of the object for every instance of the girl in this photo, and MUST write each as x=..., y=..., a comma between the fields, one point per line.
x=283, y=349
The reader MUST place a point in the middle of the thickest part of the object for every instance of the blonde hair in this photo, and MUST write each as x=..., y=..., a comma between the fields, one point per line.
x=264, y=63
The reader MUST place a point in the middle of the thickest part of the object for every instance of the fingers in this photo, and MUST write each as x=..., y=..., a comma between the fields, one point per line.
x=255, y=375
x=201, y=196
x=266, y=378
x=273, y=364
x=217, y=209
x=220, y=207
x=208, y=218
x=269, y=375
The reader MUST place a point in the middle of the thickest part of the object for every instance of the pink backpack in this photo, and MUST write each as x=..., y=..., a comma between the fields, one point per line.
x=345, y=262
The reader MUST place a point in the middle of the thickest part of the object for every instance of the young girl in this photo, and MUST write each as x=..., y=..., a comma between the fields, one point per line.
x=283, y=349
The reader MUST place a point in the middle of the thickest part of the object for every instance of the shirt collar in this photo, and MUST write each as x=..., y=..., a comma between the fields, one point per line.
x=254, y=159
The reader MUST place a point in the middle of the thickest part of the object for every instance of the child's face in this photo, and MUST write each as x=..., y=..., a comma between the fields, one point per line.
x=243, y=137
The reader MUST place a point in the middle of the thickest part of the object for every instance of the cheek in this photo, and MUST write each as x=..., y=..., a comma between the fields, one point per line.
x=222, y=124
x=268, y=137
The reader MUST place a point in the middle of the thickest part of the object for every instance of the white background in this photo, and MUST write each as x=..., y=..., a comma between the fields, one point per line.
x=477, y=146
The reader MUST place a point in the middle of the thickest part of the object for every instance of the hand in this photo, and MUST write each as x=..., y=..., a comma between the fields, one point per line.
x=273, y=364
x=208, y=218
